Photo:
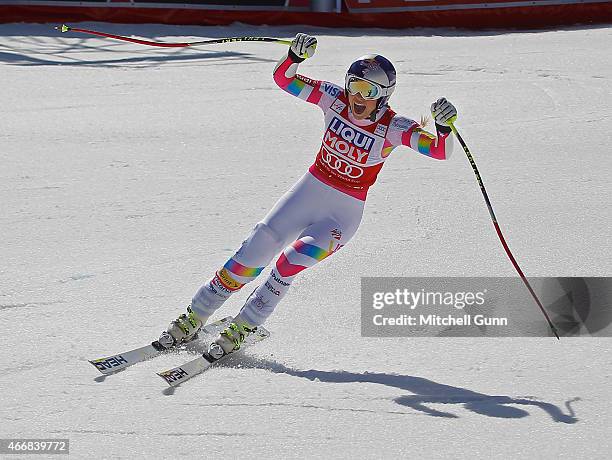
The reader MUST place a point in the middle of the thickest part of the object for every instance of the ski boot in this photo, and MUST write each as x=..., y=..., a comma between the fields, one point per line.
x=182, y=330
x=231, y=338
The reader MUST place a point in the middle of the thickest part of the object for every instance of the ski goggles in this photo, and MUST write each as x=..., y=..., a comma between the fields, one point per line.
x=368, y=89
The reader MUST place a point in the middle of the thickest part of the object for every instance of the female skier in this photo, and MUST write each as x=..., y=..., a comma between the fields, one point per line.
x=322, y=211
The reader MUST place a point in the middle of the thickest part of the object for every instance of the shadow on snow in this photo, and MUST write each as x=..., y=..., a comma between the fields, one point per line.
x=22, y=59
x=424, y=391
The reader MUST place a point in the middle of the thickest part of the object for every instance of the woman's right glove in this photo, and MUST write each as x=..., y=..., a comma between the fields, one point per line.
x=302, y=47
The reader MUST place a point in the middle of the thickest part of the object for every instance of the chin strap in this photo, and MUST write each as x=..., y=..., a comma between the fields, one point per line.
x=374, y=113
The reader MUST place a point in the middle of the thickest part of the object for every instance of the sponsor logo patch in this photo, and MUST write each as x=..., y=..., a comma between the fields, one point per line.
x=217, y=288
x=345, y=140
x=259, y=302
x=306, y=80
x=174, y=375
x=338, y=106
x=330, y=89
x=227, y=281
x=369, y=66
x=270, y=288
x=276, y=278
x=381, y=130
x=109, y=363
x=401, y=123
x=335, y=163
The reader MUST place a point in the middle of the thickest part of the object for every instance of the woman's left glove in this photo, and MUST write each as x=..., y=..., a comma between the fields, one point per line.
x=302, y=47
x=443, y=112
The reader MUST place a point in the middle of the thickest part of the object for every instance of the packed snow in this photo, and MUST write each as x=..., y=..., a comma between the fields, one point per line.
x=130, y=173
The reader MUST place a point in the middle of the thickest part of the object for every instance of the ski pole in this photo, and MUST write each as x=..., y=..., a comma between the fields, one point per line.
x=64, y=28
x=498, y=230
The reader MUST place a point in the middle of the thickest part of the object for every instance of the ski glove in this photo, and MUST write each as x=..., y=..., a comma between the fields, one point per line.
x=443, y=112
x=302, y=47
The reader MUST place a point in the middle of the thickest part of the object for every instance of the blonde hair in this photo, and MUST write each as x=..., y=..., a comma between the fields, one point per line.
x=424, y=121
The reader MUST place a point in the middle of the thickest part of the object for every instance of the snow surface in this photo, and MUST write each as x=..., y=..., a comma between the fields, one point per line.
x=128, y=174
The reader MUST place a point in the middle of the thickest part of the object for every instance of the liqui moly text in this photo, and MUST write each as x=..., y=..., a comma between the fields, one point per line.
x=347, y=141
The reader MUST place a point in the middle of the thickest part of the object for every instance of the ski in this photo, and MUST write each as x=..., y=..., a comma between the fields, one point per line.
x=178, y=375
x=115, y=363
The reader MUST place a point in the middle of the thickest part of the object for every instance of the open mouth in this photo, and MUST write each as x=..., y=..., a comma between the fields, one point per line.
x=358, y=108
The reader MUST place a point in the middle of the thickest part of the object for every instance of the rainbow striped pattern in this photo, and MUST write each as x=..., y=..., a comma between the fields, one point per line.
x=310, y=250
x=296, y=87
x=287, y=269
x=386, y=151
x=241, y=270
x=424, y=144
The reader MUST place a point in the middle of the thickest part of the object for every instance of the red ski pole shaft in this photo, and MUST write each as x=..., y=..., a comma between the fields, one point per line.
x=498, y=230
x=64, y=28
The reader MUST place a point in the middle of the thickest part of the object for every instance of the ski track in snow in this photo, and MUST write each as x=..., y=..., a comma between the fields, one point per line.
x=129, y=174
